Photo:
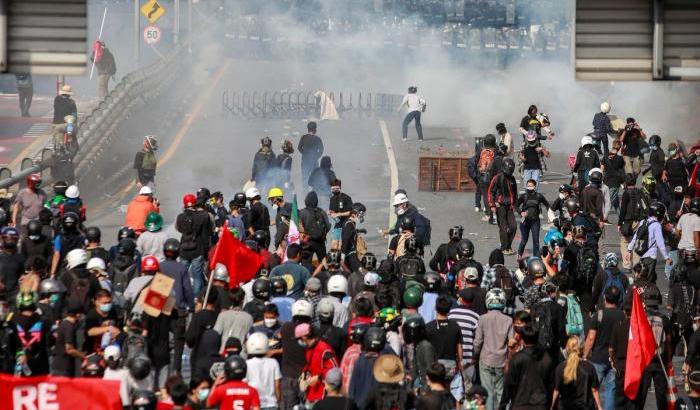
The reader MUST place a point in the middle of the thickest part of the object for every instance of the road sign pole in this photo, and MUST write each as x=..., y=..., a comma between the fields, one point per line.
x=137, y=33
x=176, y=23
x=189, y=18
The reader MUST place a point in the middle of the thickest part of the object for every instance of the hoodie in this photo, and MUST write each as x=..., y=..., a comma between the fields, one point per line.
x=321, y=177
x=314, y=219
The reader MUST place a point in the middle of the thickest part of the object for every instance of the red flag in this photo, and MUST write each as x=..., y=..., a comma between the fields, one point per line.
x=97, y=51
x=241, y=262
x=48, y=392
x=641, y=347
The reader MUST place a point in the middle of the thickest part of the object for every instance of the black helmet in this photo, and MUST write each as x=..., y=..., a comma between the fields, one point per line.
x=535, y=267
x=203, y=194
x=261, y=238
x=595, y=177
x=501, y=128
x=261, y=288
x=433, y=281
x=411, y=245
x=252, y=245
x=126, y=232
x=357, y=332
x=93, y=234
x=571, y=205
x=369, y=261
x=143, y=400
x=34, y=228
x=657, y=209
x=508, y=166
x=240, y=199
x=278, y=286
x=126, y=246
x=93, y=366
x=59, y=187
x=465, y=248
x=139, y=366
x=374, y=339
x=413, y=330
x=655, y=140
x=358, y=208
x=566, y=189
x=235, y=368
x=489, y=141
x=171, y=248
x=407, y=223
x=266, y=142
x=456, y=232
x=690, y=256
x=70, y=220
x=333, y=258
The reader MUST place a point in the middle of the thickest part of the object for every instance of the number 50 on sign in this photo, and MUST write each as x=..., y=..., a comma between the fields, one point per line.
x=151, y=34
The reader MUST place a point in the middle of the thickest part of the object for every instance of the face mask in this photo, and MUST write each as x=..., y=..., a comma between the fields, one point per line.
x=400, y=211
x=34, y=237
x=652, y=147
x=531, y=189
x=269, y=323
x=106, y=307
x=202, y=394
x=695, y=326
x=562, y=196
x=672, y=152
x=53, y=299
x=275, y=206
x=301, y=343
x=335, y=192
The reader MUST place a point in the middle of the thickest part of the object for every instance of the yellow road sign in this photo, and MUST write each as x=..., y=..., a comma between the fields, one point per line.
x=152, y=10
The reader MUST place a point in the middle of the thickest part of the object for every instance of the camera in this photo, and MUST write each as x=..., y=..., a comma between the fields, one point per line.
x=629, y=127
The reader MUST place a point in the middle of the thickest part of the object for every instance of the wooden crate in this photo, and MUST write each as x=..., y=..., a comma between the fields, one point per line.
x=444, y=171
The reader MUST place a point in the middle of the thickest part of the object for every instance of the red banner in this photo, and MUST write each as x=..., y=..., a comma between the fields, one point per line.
x=58, y=393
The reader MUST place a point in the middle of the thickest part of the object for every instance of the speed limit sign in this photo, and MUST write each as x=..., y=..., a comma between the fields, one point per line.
x=151, y=34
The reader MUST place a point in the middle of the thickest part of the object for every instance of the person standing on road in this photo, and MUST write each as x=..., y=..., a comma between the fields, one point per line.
x=63, y=105
x=501, y=199
x=311, y=149
x=28, y=203
x=529, y=204
x=25, y=90
x=139, y=208
x=602, y=128
x=106, y=67
x=196, y=226
x=145, y=162
x=416, y=105
x=631, y=139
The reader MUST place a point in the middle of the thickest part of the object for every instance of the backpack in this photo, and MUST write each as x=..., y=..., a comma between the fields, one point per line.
x=121, y=275
x=472, y=168
x=682, y=311
x=486, y=158
x=425, y=240
x=543, y=324
x=638, y=207
x=79, y=290
x=657, y=328
x=409, y=266
x=316, y=228
x=642, y=245
x=574, y=318
x=186, y=228
x=148, y=161
x=616, y=281
x=586, y=265
x=505, y=282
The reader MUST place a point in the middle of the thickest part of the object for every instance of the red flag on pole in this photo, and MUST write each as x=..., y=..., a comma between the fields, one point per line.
x=641, y=347
x=241, y=262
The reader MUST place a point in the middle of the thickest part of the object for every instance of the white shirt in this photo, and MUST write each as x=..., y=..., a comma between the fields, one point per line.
x=414, y=102
x=688, y=223
x=262, y=373
x=122, y=376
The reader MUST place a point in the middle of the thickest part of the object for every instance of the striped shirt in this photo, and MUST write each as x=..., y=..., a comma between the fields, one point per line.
x=467, y=320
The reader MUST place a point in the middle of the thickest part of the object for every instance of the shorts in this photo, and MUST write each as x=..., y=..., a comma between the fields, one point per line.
x=336, y=234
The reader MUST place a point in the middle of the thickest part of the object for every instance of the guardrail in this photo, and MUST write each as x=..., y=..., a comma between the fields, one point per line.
x=97, y=130
x=302, y=104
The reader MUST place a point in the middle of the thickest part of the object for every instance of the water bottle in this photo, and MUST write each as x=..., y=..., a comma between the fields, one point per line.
x=106, y=339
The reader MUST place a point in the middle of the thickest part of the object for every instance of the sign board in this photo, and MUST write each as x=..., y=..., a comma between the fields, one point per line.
x=152, y=10
x=151, y=34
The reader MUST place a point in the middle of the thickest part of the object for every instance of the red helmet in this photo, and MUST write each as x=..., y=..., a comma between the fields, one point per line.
x=34, y=181
x=189, y=200
x=149, y=263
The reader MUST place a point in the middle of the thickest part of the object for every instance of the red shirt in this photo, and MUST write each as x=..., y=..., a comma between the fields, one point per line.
x=234, y=395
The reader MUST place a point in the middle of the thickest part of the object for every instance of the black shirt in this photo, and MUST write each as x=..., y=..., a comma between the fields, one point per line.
x=335, y=403
x=618, y=342
x=293, y=356
x=11, y=268
x=196, y=227
x=41, y=247
x=340, y=203
x=259, y=217
x=64, y=364
x=37, y=351
x=532, y=158
x=444, y=335
x=63, y=105
x=604, y=328
x=311, y=147
x=578, y=394
x=348, y=238
x=614, y=173
x=92, y=320
x=435, y=399
x=631, y=143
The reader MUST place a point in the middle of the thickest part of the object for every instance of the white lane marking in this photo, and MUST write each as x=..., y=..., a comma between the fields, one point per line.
x=36, y=130
x=392, y=167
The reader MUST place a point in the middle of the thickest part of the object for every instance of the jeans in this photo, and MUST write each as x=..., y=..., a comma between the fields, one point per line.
x=196, y=268
x=606, y=375
x=529, y=174
x=614, y=197
x=25, y=99
x=407, y=120
x=290, y=392
x=492, y=381
x=527, y=226
x=177, y=327
x=307, y=166
x=649, y=268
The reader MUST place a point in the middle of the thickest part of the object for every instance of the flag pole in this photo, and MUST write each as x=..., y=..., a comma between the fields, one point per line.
x=99, y=37
x=211, y=271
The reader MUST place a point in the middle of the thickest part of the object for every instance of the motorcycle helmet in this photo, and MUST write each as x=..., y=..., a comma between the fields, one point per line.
x=610, y=259
x=257, y=344
x=171, y=248
x=374, y=339
x=189, y=200
x=369, y=261
x=70, y=221
x=413, y=297
x=433, y=282
x=59, y=188
x=278, y=286
x=586, y=140
x=51, y=286
x=34, y=229
x=150, y=264
x=535, y=267
x=465, y=248
x=413, y=330
x=649, y=183
x=126, y=246
x=566, y=189
x=658, y=210
x=154, y=222
x=73, y=192
x=357, y=332
x=325, y=309
x=34, y=181
x=143, y=400
x=508, y=166
x=455, y=233
x=220, y=272
x=139, y=367
x=261, y=238
x=489, y=141
x=302, y=308
x=93, y=234
x=26, y=300
x=76, y=257
x=126, y=232
x=337, y=284
x=93, y=366
x=496, y=299
x=411, y=245
x=333, y=258
x=571, y=205
x=261, y=288
x=239, y=199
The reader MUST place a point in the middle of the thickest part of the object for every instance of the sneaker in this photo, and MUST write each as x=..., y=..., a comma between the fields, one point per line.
x=477, y=209
x=508, y=252
x=485, y=218
x=607, y=223
x=404, y=139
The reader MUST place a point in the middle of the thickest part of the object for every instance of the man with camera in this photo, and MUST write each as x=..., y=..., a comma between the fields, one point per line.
x=631, y=139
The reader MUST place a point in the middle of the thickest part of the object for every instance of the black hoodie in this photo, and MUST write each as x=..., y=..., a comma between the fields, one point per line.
x=314, y=219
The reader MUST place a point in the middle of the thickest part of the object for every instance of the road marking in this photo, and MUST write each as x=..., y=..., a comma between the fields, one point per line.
x=37, y=130
x=392, y=168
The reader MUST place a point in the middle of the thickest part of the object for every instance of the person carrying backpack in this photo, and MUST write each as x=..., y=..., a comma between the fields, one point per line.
x=598, y=342
x=501, y=196
x=632, y=210
x=497, y=275
x=315, y=225
x=609, y=276
x=648, y=240
x=586, y=159
x=549, y=321
x=81, y=284
x=485, y=171
x=682, y=302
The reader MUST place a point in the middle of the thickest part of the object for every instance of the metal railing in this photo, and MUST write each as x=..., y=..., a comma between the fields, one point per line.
x=302, y=104
x=98, y=128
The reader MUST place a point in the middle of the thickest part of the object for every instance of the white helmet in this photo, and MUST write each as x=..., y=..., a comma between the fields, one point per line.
x=72, y=192
x=586, y=140
x=399, y=199
x=495, y=299
x=96, y=263
x=251, y=193
x=592, y=170
x=145, y=190
x=325, y=308
x=257, y=343
x=76, y=257
x=337, y=284
x=302, y=308
x=605, y=107
x=112, y=352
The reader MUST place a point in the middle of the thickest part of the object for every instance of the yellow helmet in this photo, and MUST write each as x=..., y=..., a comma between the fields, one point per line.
x=275, y=192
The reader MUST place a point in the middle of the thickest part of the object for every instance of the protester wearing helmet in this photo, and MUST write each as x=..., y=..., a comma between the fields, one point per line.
x=632, y=138
x=501, y=197
x=261, y=295
x=151, y=241
x=293, y=354
x=586, y=159
x=362, y=381
x=349, y=236
x=29, y=201
x=446, y=253
x=258, y=217
x=68, y=239
x=337, y=289
x=648, y=248
x=93, y=237
x=263, y=162
x=334, y=335
x=465, y=259
x=137, y=211
x=279, y=291
x=602, y=127
x=408, y=220
x=234, y=392
x=11, y=263
x=263, y=372
x=32, y=355
x=145, y=162
x=36, y=242
x=196, y=227
x=339, y=208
